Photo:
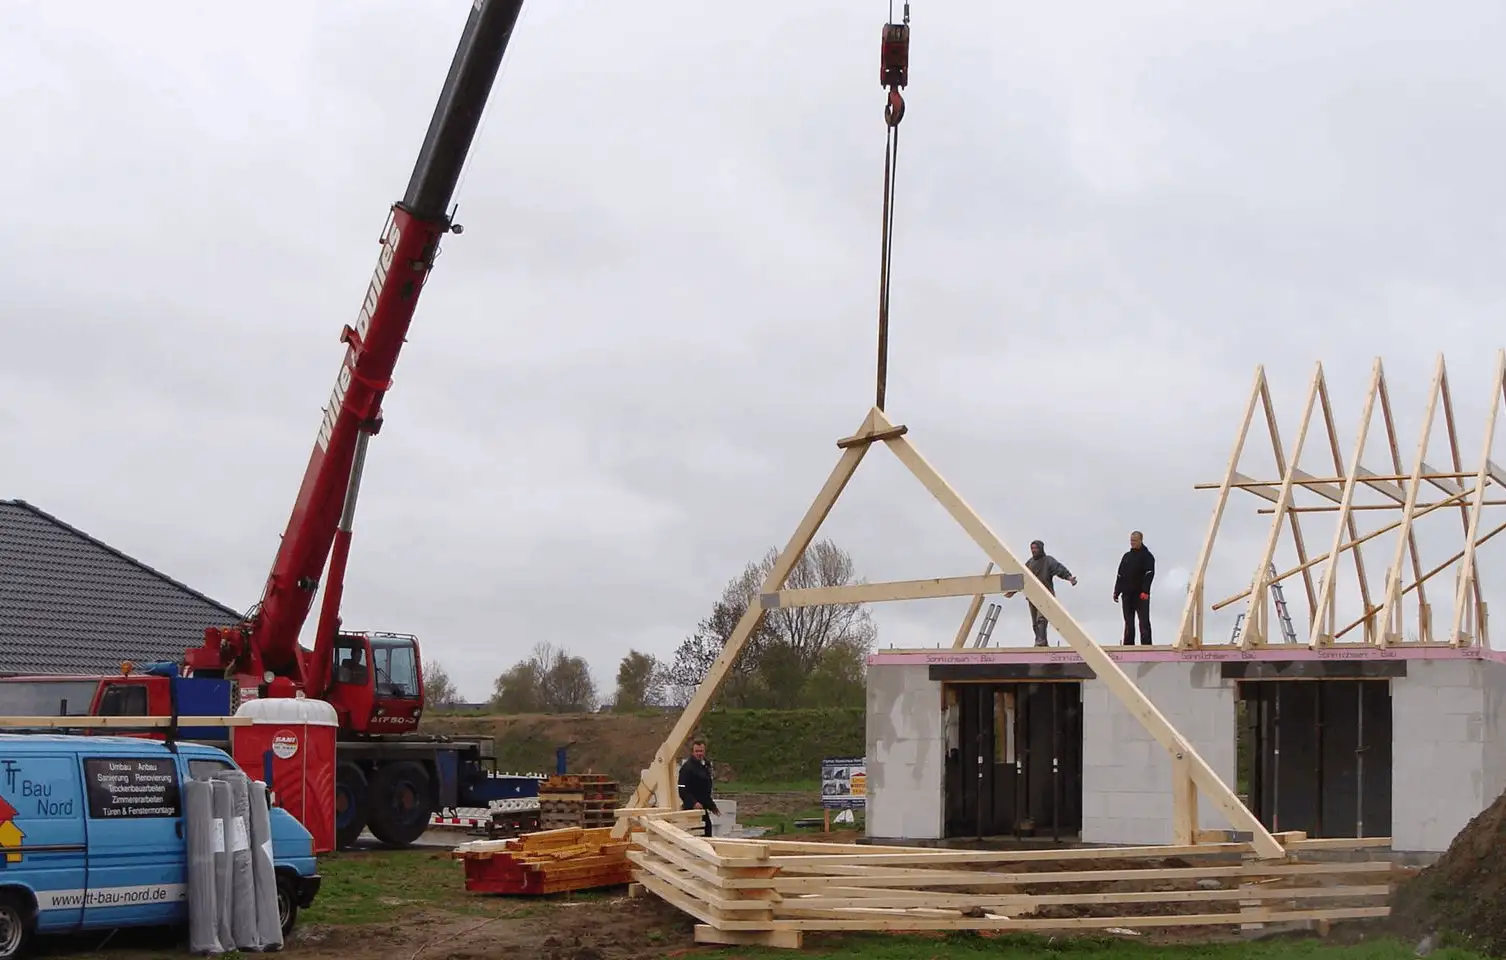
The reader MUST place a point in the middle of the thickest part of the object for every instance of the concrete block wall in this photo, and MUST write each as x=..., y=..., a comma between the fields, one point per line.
x=1127, y=774
x=1447, y=760
x=906, y=753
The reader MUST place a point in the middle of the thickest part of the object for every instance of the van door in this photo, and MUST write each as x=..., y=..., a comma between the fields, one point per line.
x=137, y=861
x=42, y=839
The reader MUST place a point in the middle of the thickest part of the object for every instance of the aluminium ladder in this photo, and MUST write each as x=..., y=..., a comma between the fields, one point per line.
x=1283, y=615
x=986, y=629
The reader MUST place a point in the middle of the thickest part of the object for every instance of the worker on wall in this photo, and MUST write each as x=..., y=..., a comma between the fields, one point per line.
x=695, y=784
x=1137, y=568
x=1044, y=568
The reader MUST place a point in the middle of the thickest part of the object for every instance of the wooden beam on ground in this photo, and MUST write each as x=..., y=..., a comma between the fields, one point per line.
x=894, y=590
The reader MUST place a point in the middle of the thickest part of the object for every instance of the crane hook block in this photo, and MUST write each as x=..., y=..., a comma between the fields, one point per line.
x=894, y=55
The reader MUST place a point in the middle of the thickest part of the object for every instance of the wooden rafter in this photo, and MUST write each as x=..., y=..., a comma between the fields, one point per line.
x=1193, y=774
x=1462, y=489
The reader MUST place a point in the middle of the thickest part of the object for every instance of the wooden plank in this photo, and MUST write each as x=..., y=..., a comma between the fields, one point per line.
x=1024, y=903
x=897, y=924
x=893, y=590
x=1104, y=666
x=774, y=939
x=871, y=437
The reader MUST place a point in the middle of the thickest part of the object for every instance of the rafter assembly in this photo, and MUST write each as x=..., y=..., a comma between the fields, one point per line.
x=1414, y=491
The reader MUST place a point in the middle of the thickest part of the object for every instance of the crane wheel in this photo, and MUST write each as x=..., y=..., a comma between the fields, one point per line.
x=352, y=804
x=402, y=800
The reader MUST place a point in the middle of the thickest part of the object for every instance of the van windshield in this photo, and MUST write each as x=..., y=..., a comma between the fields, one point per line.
x=46, y=698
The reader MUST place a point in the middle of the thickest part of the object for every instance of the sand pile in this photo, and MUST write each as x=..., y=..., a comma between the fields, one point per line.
x=1465, y=891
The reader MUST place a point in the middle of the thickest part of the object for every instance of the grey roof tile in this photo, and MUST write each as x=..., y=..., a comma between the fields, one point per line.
x=71, y=604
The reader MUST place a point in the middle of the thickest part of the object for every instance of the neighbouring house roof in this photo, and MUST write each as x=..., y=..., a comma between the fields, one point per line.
x=72, y=604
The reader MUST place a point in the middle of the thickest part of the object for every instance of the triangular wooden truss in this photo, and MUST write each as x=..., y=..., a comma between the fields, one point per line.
x=1190, y=772
x=1403, y=487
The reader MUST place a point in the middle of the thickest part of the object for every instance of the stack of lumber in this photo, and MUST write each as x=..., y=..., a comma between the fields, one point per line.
x=553, y=861
x=769, y=893
x=584, y=800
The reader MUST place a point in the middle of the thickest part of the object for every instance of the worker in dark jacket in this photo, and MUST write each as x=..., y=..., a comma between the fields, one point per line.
x=695, y=784
x=1045, y=568
x=1137, y=568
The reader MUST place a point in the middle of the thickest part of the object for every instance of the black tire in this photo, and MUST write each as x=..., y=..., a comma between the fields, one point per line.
x=18, y=922
x=352, y=804
x=287, y=906
x=402, y=800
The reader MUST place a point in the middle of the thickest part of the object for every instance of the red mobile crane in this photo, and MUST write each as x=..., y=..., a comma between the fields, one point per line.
x=389, y=778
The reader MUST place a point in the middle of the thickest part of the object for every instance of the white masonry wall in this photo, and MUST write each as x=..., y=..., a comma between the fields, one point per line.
x=1447, y=755
x=1126, y=775
x=906, y=753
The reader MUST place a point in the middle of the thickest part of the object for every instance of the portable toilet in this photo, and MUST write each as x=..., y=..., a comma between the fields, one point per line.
x=290, y=746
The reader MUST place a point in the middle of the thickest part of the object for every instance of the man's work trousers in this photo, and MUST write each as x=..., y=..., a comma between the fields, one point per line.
x=1038, y=624
x=705, y=814
x=1135, y=608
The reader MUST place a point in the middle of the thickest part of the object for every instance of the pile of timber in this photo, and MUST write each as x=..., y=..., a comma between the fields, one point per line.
x=585, y=800
x=757, y=892
x=553, y=861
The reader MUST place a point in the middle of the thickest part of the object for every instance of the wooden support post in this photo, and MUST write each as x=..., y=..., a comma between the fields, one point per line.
x=1183, y=802
x=971, y=617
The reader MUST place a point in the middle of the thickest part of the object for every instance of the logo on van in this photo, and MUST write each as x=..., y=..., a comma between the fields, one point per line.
x=10, y=834
x=284, y=744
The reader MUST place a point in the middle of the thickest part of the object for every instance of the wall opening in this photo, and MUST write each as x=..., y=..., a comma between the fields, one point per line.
x=1014, y=759
x=1317, y=755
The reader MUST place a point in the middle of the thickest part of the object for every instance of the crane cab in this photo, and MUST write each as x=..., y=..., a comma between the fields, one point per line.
x=378, y=683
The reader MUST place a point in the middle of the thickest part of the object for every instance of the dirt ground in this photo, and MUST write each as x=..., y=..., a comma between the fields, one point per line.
x=612, y=928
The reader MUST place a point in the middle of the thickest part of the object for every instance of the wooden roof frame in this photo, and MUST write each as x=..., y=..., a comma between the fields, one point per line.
x=1459, y=487
x=1191, y=773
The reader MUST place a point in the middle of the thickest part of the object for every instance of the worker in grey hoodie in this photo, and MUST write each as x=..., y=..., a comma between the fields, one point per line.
x=1045, y=568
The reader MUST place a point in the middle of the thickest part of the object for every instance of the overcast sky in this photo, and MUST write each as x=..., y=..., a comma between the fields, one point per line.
x=626, y=378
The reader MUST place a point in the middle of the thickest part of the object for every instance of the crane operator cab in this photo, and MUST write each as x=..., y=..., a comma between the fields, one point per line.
x=378, y=682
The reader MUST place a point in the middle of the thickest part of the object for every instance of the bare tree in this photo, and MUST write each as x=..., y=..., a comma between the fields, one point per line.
x=439, y=690
x=549, y=681
x=791, y=649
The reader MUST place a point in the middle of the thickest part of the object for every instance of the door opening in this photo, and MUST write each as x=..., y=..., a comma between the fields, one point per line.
x=1319, y=755
x=1014, y=759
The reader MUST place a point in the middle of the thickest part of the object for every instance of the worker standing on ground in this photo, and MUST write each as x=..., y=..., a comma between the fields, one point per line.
x=1137, y=568
x=1044, y=568
x=695, y=784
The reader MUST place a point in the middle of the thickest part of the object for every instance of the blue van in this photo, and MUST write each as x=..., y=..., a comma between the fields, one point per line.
x=92, y=836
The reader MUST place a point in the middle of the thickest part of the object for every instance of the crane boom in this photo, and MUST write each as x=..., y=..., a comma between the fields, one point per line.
x=267, y=640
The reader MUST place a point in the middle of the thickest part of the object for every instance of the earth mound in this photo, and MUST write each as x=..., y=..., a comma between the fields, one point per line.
x=1463, y=893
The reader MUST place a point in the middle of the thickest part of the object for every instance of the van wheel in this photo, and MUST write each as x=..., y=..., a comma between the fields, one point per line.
x=17, y=925
x=402, y=800
x=352, y=804
x=287, y=906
